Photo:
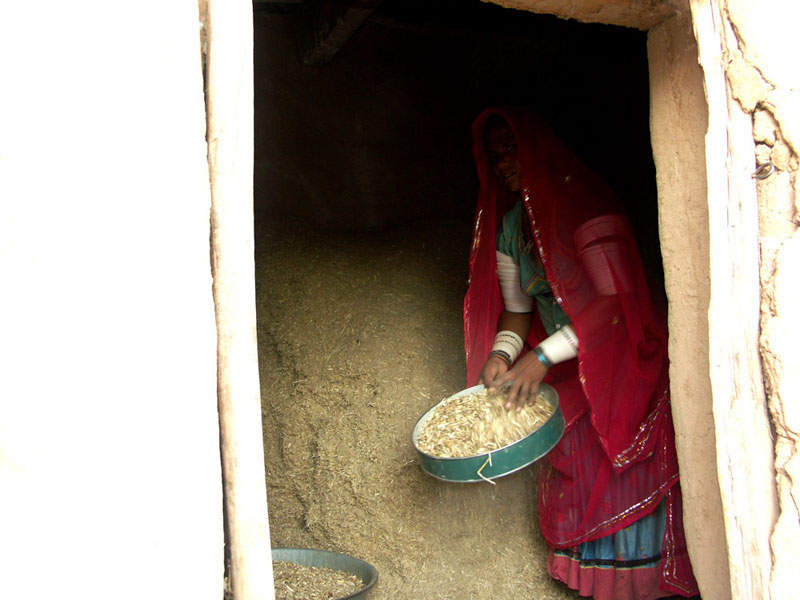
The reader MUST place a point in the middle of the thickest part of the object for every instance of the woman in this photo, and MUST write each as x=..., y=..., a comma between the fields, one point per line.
x=558, y=294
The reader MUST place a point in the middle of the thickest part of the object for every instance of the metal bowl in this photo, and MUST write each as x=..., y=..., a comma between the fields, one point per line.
x=497, y=463
x=331, y=560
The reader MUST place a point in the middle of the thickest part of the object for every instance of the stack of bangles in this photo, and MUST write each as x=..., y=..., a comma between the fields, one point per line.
x=559, y=347
x=507, y=345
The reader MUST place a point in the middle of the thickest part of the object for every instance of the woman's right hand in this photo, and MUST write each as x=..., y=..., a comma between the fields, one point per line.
x=492, y=369
x=524, y=380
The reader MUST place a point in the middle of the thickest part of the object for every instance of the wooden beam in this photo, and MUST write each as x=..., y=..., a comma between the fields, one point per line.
x=335, y=22
x=626, y=13
x=229, y=109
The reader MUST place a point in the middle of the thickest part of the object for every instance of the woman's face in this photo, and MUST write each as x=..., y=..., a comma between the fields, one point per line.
x=501, y=149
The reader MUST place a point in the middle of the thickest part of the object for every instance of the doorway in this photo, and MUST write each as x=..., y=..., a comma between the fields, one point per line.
x=364, y=196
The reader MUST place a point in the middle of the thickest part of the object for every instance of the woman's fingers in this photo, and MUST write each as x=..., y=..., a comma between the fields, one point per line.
x=514, y=394
x=529, y=396
x=493, y=372
x=523, y=380
x=526, y=375
x=505, y=381
x=522, y=397
x=519, y=397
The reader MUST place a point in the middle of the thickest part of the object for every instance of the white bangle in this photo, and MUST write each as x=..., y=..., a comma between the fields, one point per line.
x=514, y=299
x=508, y=345
x=561, y=346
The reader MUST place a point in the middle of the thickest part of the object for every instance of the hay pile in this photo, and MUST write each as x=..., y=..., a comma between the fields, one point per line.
x=359, y=335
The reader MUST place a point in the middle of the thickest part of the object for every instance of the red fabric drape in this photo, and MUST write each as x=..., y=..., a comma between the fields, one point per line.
x=617, y=458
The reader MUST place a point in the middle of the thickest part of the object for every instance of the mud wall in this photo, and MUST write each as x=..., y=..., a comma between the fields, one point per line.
x=749, y=249
x=679, y=118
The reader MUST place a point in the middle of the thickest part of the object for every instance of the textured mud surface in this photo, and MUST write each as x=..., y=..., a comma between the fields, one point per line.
x=359, y=334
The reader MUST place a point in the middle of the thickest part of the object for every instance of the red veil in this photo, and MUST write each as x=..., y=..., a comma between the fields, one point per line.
x=617, y=459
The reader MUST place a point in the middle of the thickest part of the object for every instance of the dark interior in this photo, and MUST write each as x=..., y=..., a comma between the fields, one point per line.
x=379, y=135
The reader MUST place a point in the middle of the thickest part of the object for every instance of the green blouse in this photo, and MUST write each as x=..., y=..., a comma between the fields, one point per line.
x=511, y=241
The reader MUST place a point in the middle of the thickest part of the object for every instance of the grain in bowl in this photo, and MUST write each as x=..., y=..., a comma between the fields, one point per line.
x=477, y=423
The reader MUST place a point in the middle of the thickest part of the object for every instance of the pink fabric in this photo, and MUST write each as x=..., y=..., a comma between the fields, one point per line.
x=624, y=580
x=607, y=584
x=617, y=458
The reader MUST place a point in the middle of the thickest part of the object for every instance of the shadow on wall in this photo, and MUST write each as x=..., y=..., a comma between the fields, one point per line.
x=380, y=135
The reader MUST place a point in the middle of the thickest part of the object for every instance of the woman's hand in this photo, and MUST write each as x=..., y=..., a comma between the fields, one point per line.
x=524, y=378
x=492, y=369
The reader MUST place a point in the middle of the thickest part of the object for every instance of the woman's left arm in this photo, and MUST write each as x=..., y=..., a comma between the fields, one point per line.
x=509, y=324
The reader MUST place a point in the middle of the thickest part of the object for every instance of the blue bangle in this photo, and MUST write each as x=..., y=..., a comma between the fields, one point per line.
x=542, y=358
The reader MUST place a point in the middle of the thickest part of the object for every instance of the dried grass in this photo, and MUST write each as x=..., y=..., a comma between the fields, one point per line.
x=299, y=582
x=478, y=423
x=343, y=382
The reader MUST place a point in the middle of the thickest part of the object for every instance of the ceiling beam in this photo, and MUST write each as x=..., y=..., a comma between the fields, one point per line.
x=335, y=22
x=639, y=14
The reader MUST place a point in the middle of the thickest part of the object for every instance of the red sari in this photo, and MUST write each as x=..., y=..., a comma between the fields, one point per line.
x=616, y=462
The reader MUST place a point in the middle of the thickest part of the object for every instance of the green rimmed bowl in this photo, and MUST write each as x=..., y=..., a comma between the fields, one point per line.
x=500, y=462
x=308, y=557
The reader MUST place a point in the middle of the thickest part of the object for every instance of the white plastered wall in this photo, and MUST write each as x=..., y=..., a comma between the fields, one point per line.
x=766, y=84
x=747, y=53
x=109, y=438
